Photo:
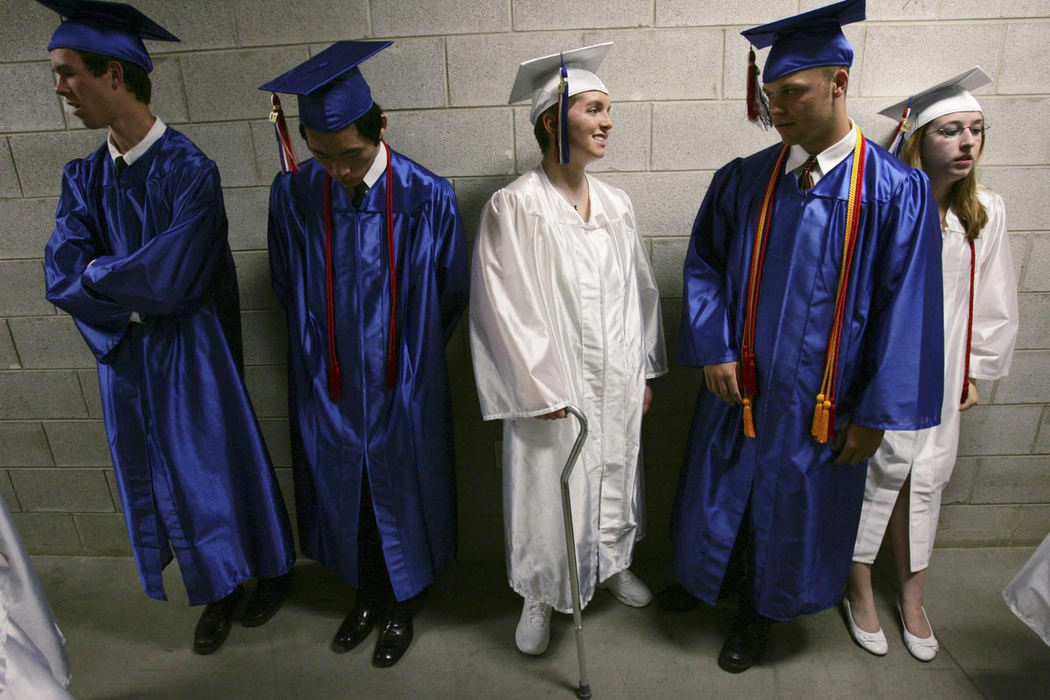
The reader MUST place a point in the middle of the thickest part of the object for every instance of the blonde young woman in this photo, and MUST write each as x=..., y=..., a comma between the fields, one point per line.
x=911, y=468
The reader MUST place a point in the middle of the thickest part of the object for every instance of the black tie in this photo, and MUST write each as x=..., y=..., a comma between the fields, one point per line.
x=358, y=194
x=805, y=177
x=120, y=164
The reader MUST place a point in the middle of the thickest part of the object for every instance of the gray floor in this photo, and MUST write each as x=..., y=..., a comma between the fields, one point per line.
x=124, y=645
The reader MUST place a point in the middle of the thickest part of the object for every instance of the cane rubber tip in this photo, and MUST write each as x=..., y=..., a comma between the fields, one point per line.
x=583, y=692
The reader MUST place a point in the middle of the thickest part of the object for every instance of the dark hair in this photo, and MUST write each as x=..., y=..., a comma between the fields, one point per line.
x=369, y=125
x=136, y=79
x=540, y=131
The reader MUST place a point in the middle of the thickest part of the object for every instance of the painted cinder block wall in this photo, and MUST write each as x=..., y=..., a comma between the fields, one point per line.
x=675, y=74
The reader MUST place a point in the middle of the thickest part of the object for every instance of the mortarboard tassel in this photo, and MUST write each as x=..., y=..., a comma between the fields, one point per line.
x=757, y=104
x=563, y=115
x=903, y=127
x=285, y=152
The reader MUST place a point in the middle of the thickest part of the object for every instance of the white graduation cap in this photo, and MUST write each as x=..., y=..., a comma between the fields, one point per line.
x=539, y=78
x=952, y=95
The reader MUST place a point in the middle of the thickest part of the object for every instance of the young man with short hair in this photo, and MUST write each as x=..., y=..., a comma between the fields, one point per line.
x=812, y=301
x=140, y=259
x=368, y=258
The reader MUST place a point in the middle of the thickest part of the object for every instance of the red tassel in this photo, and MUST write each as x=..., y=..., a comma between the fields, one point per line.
x=829, y=433
x=335, y=381
x=757, y=104
x=749, y=374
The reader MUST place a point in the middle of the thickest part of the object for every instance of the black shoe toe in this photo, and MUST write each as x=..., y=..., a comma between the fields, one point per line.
x=745, y=645
x=394, y=640
x=214, y=624
x=355, y=629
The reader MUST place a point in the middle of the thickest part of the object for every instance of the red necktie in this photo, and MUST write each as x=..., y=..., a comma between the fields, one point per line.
x=805, y=177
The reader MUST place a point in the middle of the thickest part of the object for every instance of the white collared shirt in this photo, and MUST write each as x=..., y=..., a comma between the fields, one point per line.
x=140, y=148
x=378, y=167
x=826, y=159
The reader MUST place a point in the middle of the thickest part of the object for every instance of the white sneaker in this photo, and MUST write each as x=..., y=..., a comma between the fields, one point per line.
x=534, y=628
x=628, y=589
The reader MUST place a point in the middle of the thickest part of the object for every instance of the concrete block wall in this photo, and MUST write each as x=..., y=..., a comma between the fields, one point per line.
x=675, y=77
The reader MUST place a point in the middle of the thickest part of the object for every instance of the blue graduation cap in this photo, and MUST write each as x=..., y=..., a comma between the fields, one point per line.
x=807, y=40
x=107, y=28
x=331, y=90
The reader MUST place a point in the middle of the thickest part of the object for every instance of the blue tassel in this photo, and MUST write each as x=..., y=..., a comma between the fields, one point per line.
x=563, y=115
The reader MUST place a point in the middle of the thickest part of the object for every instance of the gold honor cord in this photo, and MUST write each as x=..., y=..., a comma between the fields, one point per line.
x=824, y=413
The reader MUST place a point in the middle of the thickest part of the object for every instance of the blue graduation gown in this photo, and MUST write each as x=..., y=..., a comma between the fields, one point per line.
x=804, y=509
x=402, y=435
x=190, y=461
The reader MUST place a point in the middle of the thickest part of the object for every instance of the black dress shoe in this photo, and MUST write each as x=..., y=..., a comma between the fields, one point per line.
x=393, y=642
x=746, y=643
x=355, y=629
x=675, y=598
x=214, y=625
x=266, y=599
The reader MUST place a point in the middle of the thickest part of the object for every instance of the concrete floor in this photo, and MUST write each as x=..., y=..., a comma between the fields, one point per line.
x=124, y=645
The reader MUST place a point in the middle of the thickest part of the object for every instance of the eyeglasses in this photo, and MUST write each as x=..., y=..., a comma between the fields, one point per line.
x=950, y=132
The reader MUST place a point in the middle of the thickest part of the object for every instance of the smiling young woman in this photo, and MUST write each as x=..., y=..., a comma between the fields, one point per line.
x=565, y=311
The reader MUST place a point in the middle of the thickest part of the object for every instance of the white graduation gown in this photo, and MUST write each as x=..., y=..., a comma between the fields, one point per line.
x=1028, y=594
x=563, y=312
x=929, y=455
x=33, y=661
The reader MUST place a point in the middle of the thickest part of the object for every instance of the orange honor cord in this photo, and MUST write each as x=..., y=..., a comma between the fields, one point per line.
x=748, y=367
x=823, y=428
x=969, y=326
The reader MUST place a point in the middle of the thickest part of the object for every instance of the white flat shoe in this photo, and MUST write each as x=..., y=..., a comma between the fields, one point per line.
x=534, y=628
x=922, y=648
x=871, y=642
x=628, y=589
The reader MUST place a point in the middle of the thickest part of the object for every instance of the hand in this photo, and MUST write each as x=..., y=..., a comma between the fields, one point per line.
x=723, y=381
x=560, y=413
x=856, y=443
x=971, y=396
x=647, y=400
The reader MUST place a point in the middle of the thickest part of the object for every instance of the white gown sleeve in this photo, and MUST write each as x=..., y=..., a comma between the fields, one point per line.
x=516, y=364
x=649, y=297
x=995, y=316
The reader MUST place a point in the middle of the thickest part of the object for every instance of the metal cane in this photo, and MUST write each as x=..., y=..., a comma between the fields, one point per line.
x=584, y=689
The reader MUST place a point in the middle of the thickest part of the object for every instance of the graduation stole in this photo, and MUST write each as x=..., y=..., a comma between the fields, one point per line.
x=824, y=414
x=335, y=373
x=969, y=326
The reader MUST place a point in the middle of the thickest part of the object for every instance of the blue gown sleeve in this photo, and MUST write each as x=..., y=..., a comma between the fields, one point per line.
x=72, y=247
x=901, y=370
x=173, y=272
x=706, y=335
x=277, y=240
x=453, y=281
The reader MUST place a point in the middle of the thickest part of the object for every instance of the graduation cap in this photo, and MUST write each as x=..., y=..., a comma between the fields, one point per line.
x=806, y=40
x=554, y=79
x=952, y=95
x=106, y=28
x=331, y=90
